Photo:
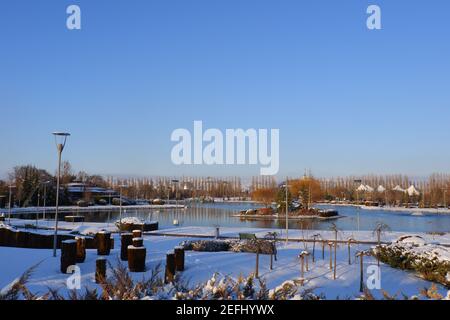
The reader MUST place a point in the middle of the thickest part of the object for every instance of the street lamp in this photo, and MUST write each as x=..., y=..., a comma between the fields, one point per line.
x=60, y=141
x=9, y=205
x=286, y=186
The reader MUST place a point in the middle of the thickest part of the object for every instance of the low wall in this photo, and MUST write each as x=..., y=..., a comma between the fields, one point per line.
x=25, y=239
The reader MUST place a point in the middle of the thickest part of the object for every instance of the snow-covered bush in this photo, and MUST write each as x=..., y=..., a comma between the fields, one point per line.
x=206, y=245
x=265, y=246
x=431, y=261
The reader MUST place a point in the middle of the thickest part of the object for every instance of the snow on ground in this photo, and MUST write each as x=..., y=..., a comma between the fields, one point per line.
x=200, y=266
x=304, y=234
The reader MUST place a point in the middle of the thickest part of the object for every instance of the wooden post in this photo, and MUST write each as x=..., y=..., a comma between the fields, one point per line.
x=307, y=261
x=103, y=239
x=137, y=233
x=81, y=249
x=360, y=254
x=302, y=258
x=335, y=261
x=170, y=267
x=136, y=258
x=314, y=249
x=350, y=241
x=330, y=244
x=126, y=239
x=100, y=270
x=138, y=242
x=179, y=258
x=68, y=254
x=257, y=263
x=323, y=249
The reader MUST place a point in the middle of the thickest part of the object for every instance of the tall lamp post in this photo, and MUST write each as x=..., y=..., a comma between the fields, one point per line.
x=286, y=187
x=9, y=203
x=60, y=140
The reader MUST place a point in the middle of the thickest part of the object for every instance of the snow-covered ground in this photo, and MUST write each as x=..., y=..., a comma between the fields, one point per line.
x=200, y=266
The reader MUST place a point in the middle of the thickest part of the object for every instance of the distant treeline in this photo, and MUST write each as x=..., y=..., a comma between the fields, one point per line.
x=34, y=186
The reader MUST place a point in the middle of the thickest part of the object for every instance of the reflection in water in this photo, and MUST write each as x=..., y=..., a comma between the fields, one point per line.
x=221, y=214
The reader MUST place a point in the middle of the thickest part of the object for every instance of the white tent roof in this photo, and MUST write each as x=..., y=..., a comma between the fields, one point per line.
x=398, y=188
x=365, y=188
x=381, y=188
x=412, y=191
x=361, y=188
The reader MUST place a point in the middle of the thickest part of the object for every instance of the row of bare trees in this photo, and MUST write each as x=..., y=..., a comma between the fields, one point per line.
x=433, y=191
x=180, y=188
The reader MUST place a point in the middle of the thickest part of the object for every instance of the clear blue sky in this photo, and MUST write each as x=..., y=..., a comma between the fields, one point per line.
x=346, y=100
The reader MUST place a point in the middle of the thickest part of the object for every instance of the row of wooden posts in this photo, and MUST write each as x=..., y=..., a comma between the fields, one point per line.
x=132, y=249
x=174, y=263
x=304, y=256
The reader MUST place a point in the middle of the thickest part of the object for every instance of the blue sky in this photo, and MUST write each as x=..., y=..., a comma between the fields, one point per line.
x=346, y=100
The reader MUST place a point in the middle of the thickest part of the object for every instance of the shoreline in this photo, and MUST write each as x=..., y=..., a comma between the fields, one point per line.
x=389, y=208
x=275, y=217
x=31, y=210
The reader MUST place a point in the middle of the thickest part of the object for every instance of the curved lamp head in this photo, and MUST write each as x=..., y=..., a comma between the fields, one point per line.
x=60, y=140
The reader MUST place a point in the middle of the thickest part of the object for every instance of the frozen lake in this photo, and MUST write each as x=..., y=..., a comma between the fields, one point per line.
x=221, y=214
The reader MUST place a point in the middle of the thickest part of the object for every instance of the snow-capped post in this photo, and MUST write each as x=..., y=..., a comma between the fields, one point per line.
x=257, y=263
x=349, y=243
x=138, y=242
x=136, y=256
x=361, y=255
x=179, y=258
x=217, y=232
x=68, y=254
x=330, y=245
x=103, y=239
x=81, y=249
x=335, y=229
x=272, y=236
x=314, y=246
x=170, y=267
x=379, y=229
x=126, y=239
x=100, y=270
x=323, y=249
x=302, y=264
x=137, y=233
